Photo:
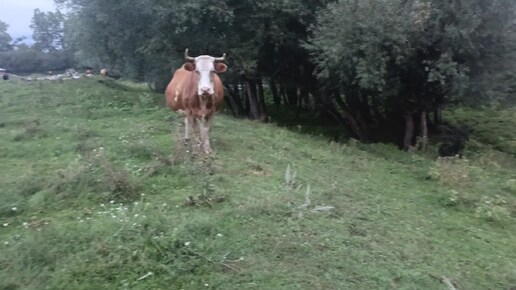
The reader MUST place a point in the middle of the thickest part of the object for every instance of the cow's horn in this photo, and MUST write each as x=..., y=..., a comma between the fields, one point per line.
x=222, y=58
x=187, y=57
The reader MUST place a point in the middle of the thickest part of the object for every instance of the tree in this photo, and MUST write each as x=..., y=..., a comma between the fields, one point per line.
x=47, y=30
x=5, y=38
x=146, y=39
x=387, y=64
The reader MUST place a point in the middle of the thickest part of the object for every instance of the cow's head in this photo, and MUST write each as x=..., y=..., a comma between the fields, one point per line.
x=205, y=66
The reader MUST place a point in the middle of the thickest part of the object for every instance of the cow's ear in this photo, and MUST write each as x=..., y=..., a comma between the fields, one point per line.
x=220, y=67
x=189, y=66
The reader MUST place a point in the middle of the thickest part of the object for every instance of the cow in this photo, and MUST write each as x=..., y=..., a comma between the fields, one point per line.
x=196, y=92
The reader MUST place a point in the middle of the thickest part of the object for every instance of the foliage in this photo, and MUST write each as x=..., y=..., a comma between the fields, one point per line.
x=5, y=38
x=28, y=59
x=46, y=54
x=392, y=59
x=47, y=30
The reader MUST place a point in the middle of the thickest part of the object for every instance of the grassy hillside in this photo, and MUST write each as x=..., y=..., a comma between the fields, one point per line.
x=490, y=126
x=96, y=192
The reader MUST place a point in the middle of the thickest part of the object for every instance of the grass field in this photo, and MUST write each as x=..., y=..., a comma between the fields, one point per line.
x=96, y=192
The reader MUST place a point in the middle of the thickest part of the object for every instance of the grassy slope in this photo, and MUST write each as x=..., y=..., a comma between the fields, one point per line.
x=498, y=131
x=401, y=221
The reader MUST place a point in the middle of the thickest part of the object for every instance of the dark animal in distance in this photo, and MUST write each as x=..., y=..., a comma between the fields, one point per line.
x=455, y=144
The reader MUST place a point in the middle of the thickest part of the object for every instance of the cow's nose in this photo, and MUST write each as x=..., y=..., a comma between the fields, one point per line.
x=205, y=90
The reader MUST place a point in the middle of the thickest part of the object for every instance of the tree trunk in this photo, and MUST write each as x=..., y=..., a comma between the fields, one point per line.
x=261, y=100
x=409, y=130
x=282, y=94
x=230, y=105
x=424, y=131
x=245, y=96
x=292, y=95
x=303, y=100
x=352, y=121
x=236, y=97
x=275, y=96
x=437, y=116
x=254, y=103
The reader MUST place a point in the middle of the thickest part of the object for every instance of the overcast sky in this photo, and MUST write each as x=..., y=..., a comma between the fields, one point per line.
x=18, y=14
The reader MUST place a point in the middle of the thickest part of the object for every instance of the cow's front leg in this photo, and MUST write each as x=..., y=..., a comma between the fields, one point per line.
x=204, y=127
x=189, y=124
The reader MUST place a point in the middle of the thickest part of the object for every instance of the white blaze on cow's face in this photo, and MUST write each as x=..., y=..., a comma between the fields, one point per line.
x=204, y=68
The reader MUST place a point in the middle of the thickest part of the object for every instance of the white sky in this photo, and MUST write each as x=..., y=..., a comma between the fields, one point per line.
x=18, y=14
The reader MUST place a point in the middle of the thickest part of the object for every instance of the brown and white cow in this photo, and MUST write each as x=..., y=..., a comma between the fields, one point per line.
x=196, y=92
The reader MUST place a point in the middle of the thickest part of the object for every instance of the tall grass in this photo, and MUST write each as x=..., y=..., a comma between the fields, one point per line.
x=98, y=191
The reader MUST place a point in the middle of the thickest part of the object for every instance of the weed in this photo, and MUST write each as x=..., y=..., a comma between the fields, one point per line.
x=451, y=171
x=207, y=197
x=290, y=177
x=510, y=186
x=460, y=198
x=118, y=181
x=30, y=131
x=493, y=209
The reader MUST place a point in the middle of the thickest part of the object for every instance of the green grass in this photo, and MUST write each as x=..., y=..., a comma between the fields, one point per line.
x=490, y=126
x=96, y=193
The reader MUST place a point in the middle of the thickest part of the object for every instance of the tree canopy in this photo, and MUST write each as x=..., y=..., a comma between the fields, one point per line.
x=48, y=51
x=47, y=30
x=5, y=38
x=391, y=60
